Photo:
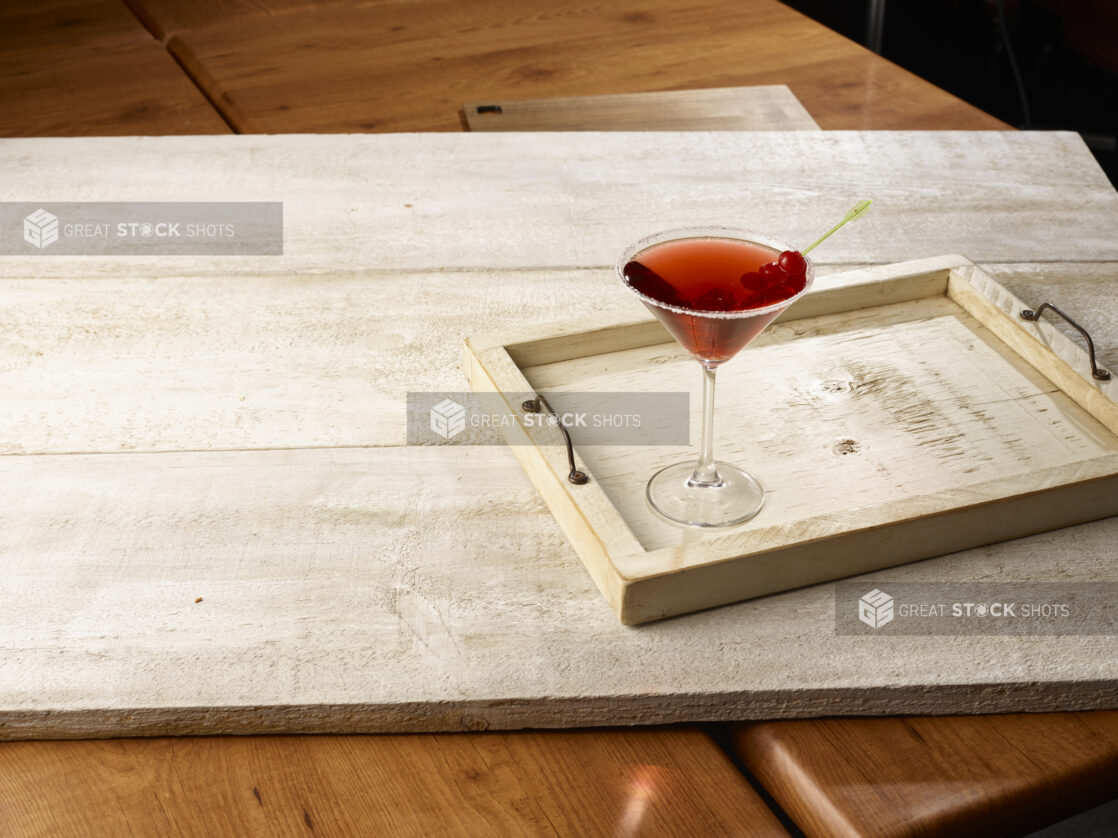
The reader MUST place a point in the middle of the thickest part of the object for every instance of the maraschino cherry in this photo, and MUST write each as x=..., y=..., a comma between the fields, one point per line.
x=786, y=275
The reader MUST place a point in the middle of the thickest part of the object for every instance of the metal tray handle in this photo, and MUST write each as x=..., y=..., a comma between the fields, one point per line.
x=533, y=406
x=1097, y=371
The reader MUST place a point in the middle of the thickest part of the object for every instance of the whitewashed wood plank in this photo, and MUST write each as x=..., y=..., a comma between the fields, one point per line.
x=102, y=549
x=139, y=364
x=362, y=203
x=430, y=589
x=269, y=362
x=766, y=107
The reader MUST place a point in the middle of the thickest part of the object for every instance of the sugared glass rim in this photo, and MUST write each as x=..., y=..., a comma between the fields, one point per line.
x=712, y=232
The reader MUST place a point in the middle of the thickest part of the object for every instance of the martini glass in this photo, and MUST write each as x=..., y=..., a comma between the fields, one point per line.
x=696, y=281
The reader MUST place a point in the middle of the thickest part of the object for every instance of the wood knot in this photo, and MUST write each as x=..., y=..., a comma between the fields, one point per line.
x=474, y=723
x=836, y=386
x=846, y=446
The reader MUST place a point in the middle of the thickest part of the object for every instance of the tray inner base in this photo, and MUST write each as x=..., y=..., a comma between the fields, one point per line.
x=842, y=412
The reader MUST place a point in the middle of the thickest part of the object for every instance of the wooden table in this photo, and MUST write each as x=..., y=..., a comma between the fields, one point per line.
x=956, y=776
x=600, y=783
x=371, y=66
x=70, y=68
x=403, y=67
x=870, y=93
x=87, y=66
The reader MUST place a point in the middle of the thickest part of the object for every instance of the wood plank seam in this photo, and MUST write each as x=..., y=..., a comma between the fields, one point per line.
x=200, y=78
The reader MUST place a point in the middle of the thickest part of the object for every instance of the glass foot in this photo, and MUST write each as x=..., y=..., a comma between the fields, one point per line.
x=736, y=498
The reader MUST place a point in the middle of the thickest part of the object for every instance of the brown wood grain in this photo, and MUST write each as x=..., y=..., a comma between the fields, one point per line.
x=954, y=776
x=167, y=17
x=407, y=66
x=89, y=68
x=662, y=782
x=70, y=24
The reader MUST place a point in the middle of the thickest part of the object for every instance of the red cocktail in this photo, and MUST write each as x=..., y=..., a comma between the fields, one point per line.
x=698, y=285
x=714, y=289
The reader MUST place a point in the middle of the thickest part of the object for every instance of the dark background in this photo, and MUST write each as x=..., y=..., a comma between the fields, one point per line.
x=1066, y=50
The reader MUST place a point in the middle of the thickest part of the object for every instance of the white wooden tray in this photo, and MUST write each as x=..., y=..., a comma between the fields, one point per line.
x=893, y=414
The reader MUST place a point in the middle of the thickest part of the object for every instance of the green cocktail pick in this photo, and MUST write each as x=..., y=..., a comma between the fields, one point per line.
x=857, y=212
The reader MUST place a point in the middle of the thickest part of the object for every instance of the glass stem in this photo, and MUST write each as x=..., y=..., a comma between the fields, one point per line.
x=705, y=472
